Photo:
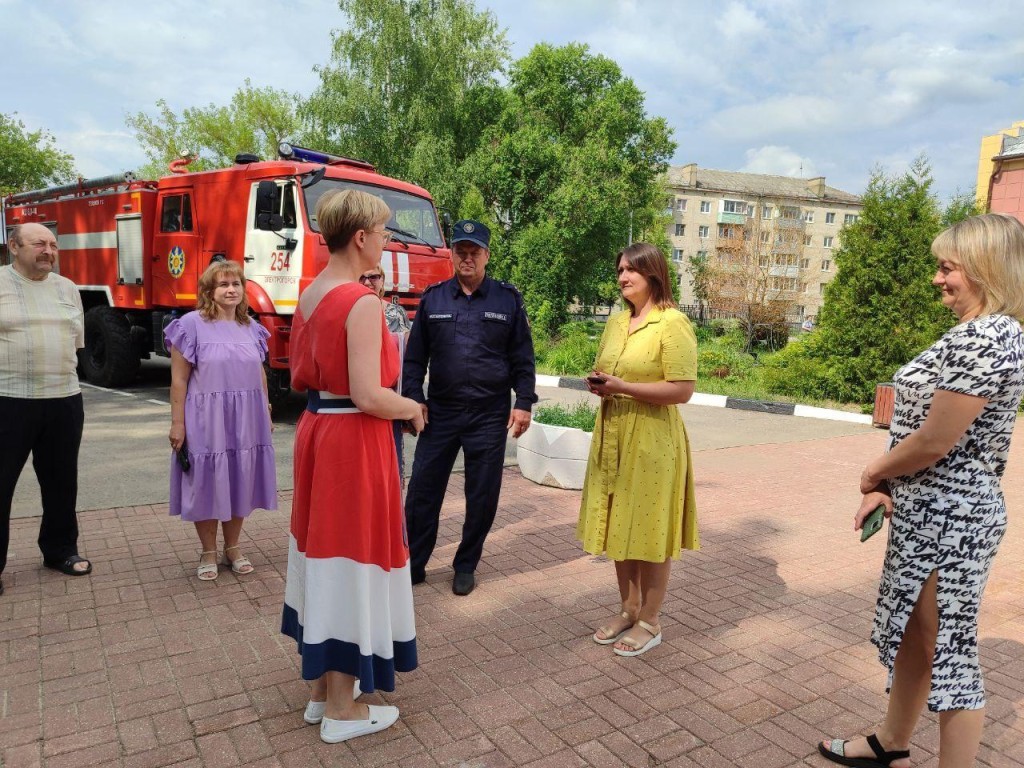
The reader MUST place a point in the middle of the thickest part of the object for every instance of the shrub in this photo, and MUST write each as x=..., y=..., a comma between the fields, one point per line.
x=579, y=416
x=572, y=352
x=724, y=358
x=793, y=371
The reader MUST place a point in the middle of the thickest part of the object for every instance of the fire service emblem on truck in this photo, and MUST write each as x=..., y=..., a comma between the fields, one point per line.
x=176, y=261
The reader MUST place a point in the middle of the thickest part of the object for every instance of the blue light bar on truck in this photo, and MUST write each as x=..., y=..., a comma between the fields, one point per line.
x=303, y=155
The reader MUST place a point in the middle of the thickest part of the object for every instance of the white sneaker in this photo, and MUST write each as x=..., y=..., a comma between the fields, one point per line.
x=315, y=709
x=335, y=731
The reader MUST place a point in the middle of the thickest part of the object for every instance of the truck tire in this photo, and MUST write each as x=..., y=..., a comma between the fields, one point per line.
x=109, y=358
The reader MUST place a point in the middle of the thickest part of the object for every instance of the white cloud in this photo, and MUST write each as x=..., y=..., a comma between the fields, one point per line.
x=739, y=23
x=778, y=161
x=744, y=83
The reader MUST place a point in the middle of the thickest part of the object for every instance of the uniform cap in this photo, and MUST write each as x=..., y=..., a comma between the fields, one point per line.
x=471, y=231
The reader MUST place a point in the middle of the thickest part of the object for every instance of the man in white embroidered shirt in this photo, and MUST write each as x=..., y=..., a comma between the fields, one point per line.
x=41, y=326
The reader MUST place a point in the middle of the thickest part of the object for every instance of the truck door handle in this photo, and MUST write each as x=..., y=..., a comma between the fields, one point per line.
x=249, y=258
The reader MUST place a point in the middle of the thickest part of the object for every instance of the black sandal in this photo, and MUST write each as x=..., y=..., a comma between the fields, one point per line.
x=68, y=566
x=837, y=747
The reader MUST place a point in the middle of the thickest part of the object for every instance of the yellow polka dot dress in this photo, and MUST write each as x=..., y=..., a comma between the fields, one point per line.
x=638, y=498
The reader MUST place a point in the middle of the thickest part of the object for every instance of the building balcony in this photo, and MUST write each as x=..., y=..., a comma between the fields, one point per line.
x=732, y=218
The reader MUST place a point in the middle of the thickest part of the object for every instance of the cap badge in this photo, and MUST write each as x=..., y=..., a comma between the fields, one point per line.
x=468, y=227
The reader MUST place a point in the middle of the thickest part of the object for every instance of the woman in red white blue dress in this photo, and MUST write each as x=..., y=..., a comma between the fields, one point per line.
x=348, y=596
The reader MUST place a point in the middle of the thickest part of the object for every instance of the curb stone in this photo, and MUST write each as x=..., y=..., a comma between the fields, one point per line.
x=724, y=401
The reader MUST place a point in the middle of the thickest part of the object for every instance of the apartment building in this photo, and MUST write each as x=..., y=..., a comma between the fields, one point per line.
x=791, y=226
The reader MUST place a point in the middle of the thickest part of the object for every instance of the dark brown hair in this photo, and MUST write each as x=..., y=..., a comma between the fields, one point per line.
x=650, y=262
x=208, y=284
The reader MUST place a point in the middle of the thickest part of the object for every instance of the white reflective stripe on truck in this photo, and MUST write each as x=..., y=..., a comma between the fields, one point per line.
x=402, y=261
x=86, y=240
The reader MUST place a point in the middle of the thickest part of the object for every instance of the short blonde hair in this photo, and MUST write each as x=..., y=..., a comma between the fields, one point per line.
x=341, y=213
x=208, y=284
x=990, y=251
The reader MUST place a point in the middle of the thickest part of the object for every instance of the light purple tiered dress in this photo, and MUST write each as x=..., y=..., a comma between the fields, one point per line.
x=227, y=426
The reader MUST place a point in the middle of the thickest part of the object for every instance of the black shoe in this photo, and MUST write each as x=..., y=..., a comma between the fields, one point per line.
x=418, y=577
x=463, y=583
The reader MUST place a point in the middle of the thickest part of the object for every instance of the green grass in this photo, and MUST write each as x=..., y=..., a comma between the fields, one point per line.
x=579, y=416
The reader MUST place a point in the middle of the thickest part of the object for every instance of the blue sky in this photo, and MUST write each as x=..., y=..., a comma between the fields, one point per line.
x=791, y=87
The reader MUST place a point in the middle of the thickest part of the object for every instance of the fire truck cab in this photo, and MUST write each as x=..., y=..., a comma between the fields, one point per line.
x=136, y=248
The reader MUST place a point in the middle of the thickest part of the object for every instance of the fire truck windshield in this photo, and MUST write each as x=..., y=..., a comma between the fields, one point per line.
x=411, y=214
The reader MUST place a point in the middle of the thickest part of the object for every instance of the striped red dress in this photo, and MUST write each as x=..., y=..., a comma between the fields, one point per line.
x=348, y=595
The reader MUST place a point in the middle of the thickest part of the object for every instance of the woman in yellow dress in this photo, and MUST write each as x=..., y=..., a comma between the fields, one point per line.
x=638, y=502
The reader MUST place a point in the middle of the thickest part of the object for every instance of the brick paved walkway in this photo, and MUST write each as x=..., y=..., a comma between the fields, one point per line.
x=766, y=640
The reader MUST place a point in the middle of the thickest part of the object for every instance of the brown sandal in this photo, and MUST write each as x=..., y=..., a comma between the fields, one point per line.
x=606, y=631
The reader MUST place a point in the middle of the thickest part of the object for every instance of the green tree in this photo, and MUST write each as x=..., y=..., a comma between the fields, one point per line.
x=256, y=120
x=30, y=159
x=881, y=310
x=571, y=156
x=410, y=86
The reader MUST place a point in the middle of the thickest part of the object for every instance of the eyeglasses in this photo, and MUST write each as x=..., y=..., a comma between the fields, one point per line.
x=370, y=278
x=385, y=235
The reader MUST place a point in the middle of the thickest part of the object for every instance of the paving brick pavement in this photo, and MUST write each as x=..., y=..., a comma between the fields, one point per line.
x=141, y=665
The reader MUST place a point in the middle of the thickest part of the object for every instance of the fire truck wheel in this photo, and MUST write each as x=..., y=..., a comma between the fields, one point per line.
x=109, y=358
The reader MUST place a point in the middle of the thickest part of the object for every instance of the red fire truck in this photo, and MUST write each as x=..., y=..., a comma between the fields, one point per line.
x=136, y=248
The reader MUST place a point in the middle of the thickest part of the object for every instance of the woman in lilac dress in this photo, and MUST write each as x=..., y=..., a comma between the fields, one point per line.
x=220, y=417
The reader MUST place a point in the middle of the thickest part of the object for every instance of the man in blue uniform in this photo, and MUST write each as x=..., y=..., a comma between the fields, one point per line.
x=473, y=333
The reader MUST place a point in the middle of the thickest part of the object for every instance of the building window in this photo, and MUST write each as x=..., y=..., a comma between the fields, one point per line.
x=680, y=229
x=809, y=217
x=734, y=206
x=826, y=265
x=791, y=212
x=681, y=204
x=704, y=231
x=705, y=206
x=766, y=237
x=766, y=211
x=808, y=239
x=850, y=218
x=830, y=218
x=803, y=287
x=677, y=254
x=821, y=289
x=805, y=263
x=827, y=242
x=729, y=231
x=702, y=255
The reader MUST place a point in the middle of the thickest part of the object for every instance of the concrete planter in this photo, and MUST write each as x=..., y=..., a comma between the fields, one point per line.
x=555, y=456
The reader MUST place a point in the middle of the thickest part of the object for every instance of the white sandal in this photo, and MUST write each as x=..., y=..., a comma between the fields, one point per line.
x=207, y=571
x=636, y=648
x=241, y=566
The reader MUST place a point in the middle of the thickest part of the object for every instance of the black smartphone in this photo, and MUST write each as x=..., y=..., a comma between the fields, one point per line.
x=873, y=523
x=182, y=454
x=596, y=380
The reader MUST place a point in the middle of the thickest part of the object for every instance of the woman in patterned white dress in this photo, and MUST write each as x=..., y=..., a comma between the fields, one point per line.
x=956, y=404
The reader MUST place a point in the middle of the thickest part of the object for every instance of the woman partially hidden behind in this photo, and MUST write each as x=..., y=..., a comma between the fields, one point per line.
x=956, y=404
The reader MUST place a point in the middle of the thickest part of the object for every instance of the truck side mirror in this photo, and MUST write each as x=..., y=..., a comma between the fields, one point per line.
x=268, y=203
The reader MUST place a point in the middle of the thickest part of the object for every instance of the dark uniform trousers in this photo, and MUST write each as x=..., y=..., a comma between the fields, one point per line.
x=51, y=430
x=480, y=431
